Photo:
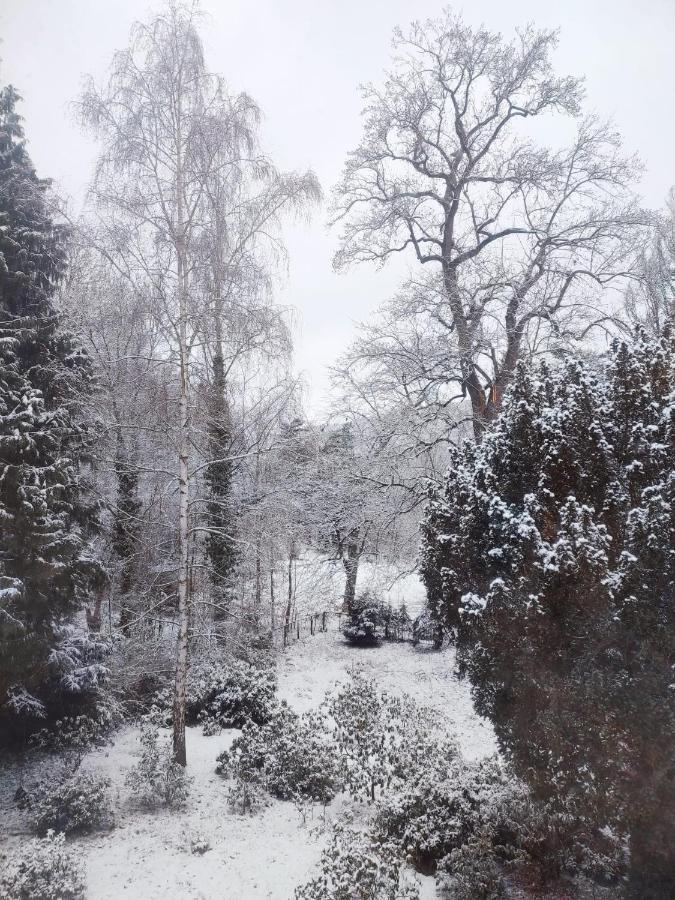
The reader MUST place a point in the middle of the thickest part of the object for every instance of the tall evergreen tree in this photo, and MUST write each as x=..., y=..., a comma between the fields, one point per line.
x=220, y=513
x=46, y=567
x=551, y=554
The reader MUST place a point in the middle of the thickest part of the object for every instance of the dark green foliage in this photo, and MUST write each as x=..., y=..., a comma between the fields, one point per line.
x=551, y=551
x=365, y=624
x=442, y=807
x=372, y=621
x=356, y=866
x=292, y=758
x=220, y=513
x=46, y=567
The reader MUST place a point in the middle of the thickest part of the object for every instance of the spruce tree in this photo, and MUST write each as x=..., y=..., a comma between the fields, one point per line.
x=46, y=567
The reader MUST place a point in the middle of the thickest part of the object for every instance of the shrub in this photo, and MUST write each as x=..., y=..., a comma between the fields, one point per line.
x=557, y=843
x=441, y=809
x=71, y=684
x=356, y=867
x=366, y=624
x=198, y=842
x=473, y=870
x=43, y=870
x=245, y=795
x=157, y=780
x=225, y=695
x=292, y=757
x=78, y=803
x=382, y=738
x=397, y=623
x=78, y=733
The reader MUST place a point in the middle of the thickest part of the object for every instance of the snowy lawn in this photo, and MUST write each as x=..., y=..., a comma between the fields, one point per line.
x=148, y=854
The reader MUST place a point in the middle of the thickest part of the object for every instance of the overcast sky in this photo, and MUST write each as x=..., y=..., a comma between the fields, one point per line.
x=302, y=61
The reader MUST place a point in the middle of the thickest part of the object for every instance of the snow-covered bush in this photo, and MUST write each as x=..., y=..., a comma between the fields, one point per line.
x=472, y=871
x=225, y=695
x=78, y=733
x=78, y=803
x=366, y=624
x=71, y=689
x=559, y=844
x=440, y=809
x=246, y=795
x=292, y=757
x=157, y=780
x=382, y=739
x=43, y=870
x=198, y=842
x=355, y=866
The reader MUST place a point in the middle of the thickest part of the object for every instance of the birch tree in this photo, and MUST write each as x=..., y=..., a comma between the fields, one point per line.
x=173, y=141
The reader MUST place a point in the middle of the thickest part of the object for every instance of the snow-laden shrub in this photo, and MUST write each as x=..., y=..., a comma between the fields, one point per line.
x=559, y=844
x=292, y=757
x=43, y=870
x=355, y=866
x=441, y=808
x=365, y=625
x=245, y=795
x=78, y=733
x=225, y=695
x=78, y=803
x=72, y=688
x=157, y=780
x=382, y=739
x=197, y=841
x=472, y=871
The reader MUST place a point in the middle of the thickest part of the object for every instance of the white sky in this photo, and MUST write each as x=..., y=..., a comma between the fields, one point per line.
x=302, y=61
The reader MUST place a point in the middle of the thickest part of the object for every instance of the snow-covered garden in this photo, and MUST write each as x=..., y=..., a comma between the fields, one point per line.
x=413, y=638
x=206, y=849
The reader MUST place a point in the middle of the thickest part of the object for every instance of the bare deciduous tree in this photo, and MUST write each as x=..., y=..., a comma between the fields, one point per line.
x=517, y=236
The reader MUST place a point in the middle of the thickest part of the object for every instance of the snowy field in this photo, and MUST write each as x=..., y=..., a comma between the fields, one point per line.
x=148, y=854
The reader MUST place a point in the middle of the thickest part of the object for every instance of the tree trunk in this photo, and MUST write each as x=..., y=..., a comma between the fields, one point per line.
x=351, y=565
x=183, y=483
x=289, y=602
x=183, y=617
x=94, y=615
x=470, y=379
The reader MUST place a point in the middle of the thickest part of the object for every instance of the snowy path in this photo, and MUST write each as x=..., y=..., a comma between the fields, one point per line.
x=147, y=856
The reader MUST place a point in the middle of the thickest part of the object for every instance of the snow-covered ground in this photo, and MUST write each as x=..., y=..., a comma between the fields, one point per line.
x=320, y=583
x=147, y=856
